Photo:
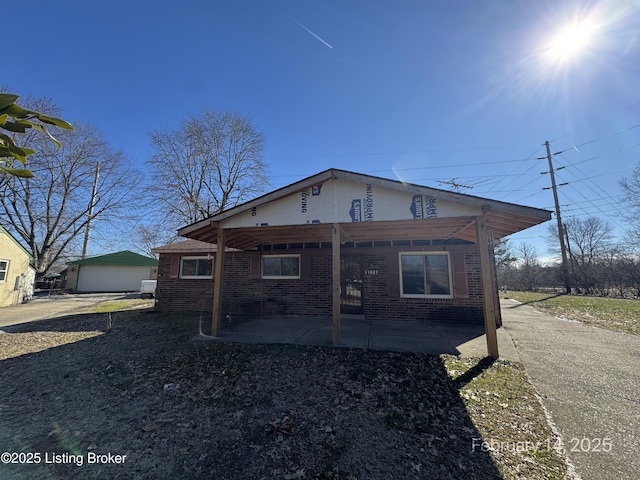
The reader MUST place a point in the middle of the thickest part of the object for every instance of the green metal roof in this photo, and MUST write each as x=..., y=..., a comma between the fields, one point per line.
x=124, y=258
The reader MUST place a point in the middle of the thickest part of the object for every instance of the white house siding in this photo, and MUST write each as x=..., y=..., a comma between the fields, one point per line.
x=104, y=278
x=348, y=201
x=19, y=274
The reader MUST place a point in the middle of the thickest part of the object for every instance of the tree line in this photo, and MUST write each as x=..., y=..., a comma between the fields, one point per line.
x=59, y=182
x=597, y=264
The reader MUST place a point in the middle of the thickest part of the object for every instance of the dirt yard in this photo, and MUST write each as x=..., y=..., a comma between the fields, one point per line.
x=144, y=400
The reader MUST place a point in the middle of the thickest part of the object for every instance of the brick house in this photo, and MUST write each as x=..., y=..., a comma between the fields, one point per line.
x=185, y=280
x=343, y=243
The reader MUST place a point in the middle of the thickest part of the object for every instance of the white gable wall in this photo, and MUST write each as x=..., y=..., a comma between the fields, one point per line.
x=343, y=201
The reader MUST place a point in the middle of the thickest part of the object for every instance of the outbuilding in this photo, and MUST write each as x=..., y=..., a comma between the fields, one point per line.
x=17, y=275
x=114, y=272
x=341, y=243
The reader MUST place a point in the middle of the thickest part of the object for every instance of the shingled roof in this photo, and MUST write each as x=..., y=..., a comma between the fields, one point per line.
x=124, y=258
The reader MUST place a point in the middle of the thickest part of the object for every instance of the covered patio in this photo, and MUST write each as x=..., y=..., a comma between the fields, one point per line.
x=420, y=218
x=357, y=332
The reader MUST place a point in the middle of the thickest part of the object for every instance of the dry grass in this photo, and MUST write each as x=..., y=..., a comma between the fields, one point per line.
x=184, y=409
x=505, y=409
x=121, y=305
x=619, y=315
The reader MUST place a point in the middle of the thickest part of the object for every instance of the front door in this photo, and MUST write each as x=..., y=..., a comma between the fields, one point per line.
x=351, y=284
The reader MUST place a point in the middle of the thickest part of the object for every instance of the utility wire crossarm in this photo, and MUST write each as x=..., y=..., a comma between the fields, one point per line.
x=563, y=248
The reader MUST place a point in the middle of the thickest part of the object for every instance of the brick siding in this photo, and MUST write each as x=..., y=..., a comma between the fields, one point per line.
x=246, y=294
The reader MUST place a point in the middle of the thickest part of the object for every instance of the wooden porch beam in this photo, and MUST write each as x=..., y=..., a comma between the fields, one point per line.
x=487, y=289
x=335, y=270
x=218, y=282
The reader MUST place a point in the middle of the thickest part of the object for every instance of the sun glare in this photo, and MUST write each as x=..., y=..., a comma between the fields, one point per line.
x=570, y=41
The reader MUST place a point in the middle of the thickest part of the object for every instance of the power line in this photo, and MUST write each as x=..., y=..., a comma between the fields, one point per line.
x=414, y=152
x=410, y=169
x=608, y=136
x=588, y=200
x=573, y=169
x=605, y=154
x=500, y=182
x=522, y=163
x=598, y=139
x=600, y=202
x=462, y=149
x=590, y=124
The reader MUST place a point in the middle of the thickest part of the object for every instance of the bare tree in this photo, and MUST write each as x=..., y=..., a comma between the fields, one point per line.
x=149, y=235
x=503, y=254
x=211, y=162
x=51, y=211
x=529, y=267
x=518, y=269
x=589, y=240
x=628, y=273
x=506, y=271
x=631, y=189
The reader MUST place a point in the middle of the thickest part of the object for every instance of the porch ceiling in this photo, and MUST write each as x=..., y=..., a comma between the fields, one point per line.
x=463, y=228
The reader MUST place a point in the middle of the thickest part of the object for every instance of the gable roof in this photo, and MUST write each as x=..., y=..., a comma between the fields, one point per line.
x=124, y=258
x=15, y=240
x=402, y=210
x=186, y=246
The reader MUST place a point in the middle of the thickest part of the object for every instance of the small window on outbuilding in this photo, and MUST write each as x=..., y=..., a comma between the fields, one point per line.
x=281, y=266
x=425, y=275
x=196, y=267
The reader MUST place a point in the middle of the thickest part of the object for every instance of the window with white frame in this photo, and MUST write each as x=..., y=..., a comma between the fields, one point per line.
x=4, y=270
x=196, y=267
x=425, y=275
x=281, y=266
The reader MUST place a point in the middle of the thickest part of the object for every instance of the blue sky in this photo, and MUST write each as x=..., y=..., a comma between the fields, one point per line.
x=422, y=91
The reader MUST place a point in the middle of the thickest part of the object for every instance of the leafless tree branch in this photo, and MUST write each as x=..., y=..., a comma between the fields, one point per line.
x=211, y=162
x=49, y=212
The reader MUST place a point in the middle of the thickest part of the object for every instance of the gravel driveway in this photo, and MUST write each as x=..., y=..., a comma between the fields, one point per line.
x=589, y=381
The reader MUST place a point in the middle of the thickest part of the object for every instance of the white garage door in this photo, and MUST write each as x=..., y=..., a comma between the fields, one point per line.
x=99, y=278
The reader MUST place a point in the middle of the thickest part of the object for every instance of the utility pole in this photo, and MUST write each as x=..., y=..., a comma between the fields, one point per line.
x=563, y=248
x=572, y=260
x=85, y=246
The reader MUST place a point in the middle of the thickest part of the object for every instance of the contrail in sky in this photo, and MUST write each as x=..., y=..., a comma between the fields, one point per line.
x=301, y=25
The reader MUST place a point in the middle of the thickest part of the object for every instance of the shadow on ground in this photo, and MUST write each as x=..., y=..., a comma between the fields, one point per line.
x=521, y=304
x=183, y=409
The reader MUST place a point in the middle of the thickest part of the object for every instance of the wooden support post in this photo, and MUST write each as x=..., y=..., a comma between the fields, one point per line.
x=487, y=289
x=218, y=276
x=335, y=269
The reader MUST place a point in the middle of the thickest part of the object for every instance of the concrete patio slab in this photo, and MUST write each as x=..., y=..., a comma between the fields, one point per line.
x=356, y=332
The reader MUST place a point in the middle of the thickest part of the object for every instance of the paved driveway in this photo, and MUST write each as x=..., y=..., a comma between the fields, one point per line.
x=589, y=381
x=43, y=307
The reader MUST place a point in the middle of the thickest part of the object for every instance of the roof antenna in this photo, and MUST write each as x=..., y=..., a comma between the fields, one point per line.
x=456, y=185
